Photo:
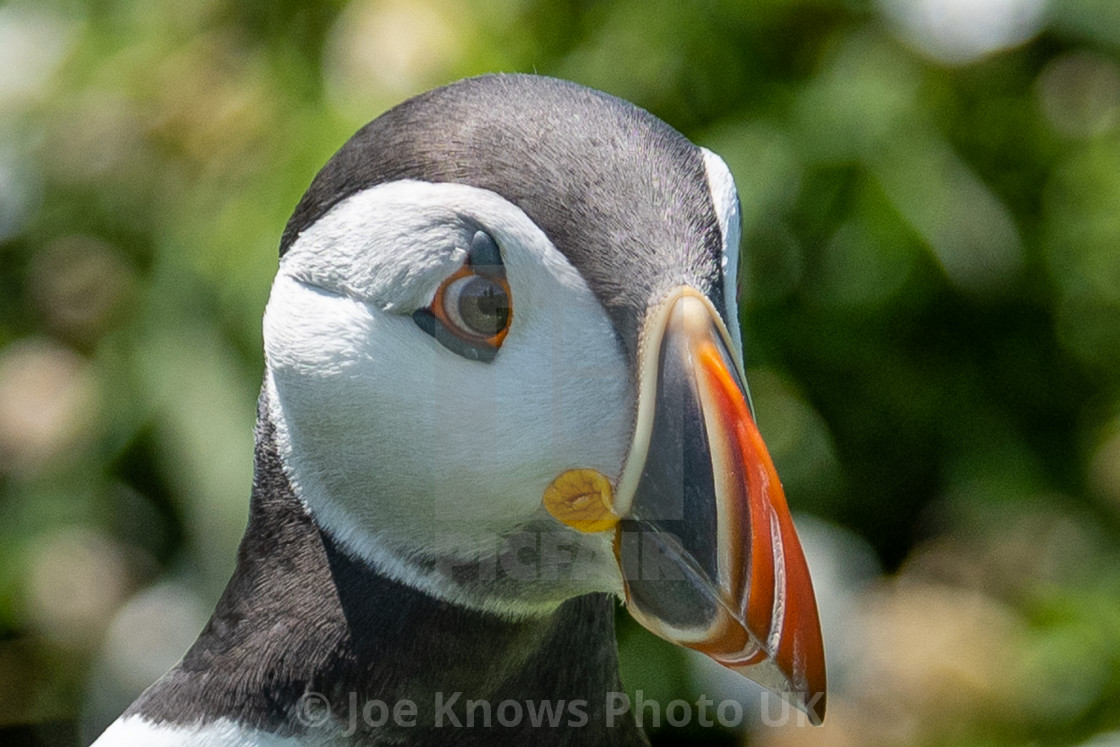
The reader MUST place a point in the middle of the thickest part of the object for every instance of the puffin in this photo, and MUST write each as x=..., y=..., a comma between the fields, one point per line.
x=504, y=392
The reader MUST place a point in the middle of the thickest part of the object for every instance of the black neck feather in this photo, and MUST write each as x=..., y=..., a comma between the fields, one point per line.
x=301, y=616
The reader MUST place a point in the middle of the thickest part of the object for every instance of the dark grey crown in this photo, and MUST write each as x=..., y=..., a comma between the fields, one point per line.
x=620, y=193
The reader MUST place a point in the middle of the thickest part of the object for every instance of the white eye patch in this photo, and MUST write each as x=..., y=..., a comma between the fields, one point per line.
x=389, y=246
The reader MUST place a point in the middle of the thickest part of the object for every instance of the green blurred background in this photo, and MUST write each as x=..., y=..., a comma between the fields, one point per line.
x=931, y=292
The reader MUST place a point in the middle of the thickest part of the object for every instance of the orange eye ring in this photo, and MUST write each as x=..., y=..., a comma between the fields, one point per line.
x=447, y=306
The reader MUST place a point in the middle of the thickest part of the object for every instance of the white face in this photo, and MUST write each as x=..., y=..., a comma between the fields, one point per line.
x=415, y=458
x=725, y=198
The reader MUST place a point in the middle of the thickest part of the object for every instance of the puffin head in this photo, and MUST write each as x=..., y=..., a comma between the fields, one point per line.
x=504, y=368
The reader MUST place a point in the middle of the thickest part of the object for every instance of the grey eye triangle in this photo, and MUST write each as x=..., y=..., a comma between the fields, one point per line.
x=428, y=322
x=484, y=257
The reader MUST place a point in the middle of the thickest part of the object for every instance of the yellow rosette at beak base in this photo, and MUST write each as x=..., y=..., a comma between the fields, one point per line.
x=583, y=500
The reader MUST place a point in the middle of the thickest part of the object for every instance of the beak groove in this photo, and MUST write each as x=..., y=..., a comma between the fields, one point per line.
x=710, y=557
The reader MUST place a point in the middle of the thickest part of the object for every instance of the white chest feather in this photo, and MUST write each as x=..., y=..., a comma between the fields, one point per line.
x=135, y=731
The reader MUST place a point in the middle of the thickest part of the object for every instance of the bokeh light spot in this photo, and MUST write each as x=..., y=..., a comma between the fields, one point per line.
x=48, y=398
x=960, y=31
x=1080, y=94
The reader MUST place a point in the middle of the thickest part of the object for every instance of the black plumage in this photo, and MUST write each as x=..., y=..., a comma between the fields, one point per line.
x=301, y=616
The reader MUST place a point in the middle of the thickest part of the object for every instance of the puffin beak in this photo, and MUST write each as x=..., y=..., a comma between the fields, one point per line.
x=709, y=554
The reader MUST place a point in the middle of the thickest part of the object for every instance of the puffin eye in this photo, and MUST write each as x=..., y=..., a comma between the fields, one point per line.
x=477, y=306
x=472, y=310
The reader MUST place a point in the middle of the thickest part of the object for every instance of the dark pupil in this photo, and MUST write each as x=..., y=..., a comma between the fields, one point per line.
x=484, y=306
